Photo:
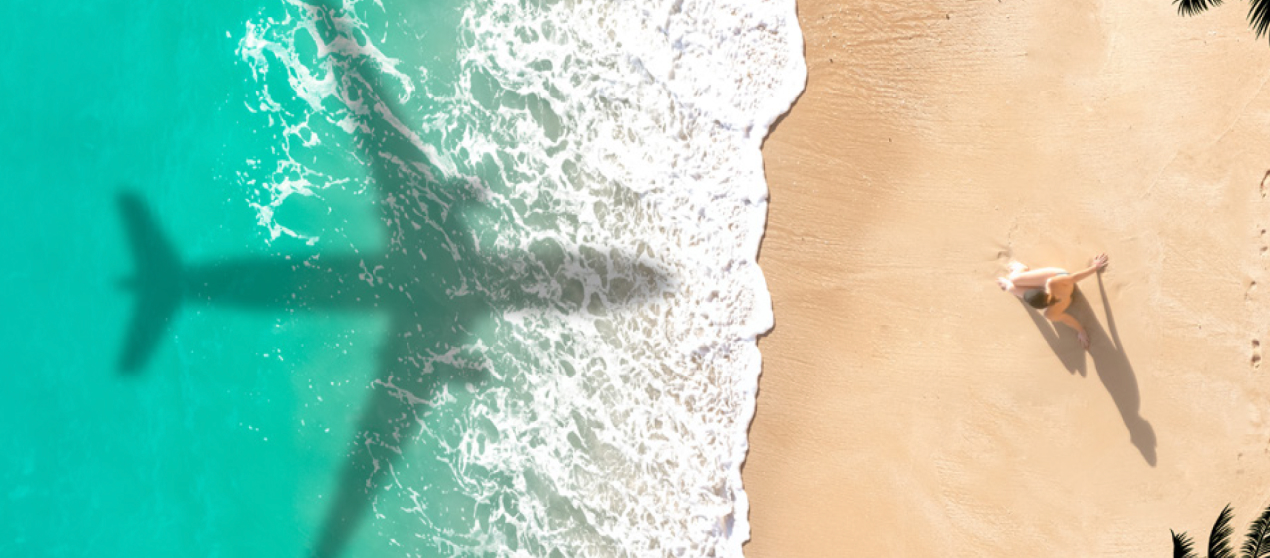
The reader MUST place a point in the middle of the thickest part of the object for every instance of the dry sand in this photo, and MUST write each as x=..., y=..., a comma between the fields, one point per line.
x=907, y=406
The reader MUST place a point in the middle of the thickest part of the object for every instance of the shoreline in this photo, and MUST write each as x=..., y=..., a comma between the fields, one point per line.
x=906, y=406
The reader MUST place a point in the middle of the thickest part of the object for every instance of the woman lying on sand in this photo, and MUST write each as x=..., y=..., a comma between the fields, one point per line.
x=1050, y=289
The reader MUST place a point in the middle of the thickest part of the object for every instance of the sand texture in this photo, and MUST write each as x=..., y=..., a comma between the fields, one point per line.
x=907, y=406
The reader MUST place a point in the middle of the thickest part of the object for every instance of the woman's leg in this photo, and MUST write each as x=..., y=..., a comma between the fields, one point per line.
x=1022, y=280
x=1034, y=278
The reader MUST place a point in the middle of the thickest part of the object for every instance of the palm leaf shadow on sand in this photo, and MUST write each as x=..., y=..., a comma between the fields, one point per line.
x=433, y=279
x=1110, y=363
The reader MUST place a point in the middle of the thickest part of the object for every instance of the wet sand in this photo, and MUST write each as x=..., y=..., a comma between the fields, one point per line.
x=907, y=406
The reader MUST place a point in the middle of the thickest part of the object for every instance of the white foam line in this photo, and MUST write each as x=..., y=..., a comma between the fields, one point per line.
x=764, y=319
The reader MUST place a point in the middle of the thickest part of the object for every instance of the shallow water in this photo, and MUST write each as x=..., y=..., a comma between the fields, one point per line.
x=406, y=279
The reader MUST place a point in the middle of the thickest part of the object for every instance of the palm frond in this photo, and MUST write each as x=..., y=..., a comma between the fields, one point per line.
x=1257, y=545
x=1219, y=539
x=1182, y=545
x=1192, y=7
x=1259, y=16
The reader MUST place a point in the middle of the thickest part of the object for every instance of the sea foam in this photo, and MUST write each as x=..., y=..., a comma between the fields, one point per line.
x=617, y=145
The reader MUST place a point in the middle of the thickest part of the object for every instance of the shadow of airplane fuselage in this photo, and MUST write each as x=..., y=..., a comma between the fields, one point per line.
x=433, y=280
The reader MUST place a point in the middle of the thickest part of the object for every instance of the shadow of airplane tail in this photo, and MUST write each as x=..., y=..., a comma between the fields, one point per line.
x=157, y=283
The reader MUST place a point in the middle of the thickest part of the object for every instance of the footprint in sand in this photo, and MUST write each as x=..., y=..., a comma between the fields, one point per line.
x=1264, y=189
x=1263, y=241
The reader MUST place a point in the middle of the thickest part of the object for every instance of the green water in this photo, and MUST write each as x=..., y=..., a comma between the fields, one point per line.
x=230, y=438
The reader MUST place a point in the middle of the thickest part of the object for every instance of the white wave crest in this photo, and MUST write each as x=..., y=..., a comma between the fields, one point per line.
x=661, y=107
x=618, y=143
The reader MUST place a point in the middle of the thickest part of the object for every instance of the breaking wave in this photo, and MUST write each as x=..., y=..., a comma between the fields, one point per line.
x=609, y=154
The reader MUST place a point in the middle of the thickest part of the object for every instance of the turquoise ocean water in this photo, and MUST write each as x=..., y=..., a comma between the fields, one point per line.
x=398, y=278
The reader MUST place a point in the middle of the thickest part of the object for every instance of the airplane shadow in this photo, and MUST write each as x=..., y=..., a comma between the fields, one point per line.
x=1110, y=363
x=434, y=279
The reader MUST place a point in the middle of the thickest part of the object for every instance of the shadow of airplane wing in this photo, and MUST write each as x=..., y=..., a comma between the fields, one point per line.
x=363, y=471
x=390, y=418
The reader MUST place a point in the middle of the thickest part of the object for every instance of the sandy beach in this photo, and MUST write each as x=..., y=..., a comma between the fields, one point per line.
x=907, y=406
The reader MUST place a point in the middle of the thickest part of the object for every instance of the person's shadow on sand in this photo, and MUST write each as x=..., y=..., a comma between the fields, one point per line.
x=1110, y=363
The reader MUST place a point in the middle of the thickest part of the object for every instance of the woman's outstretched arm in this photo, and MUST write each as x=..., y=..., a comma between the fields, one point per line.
x=1099, y=262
